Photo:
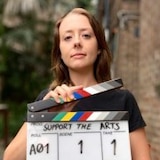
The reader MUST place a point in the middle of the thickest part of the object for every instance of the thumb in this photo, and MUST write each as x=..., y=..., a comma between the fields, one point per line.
x=74, y=88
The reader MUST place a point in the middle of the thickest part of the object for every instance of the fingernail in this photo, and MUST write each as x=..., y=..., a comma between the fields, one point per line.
x=61, y=100
x=68, y=99
x=72, y=97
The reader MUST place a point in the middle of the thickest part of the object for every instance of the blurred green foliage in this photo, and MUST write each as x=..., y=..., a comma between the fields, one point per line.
x=24, y=70
x=25, y=58
x=23, y=75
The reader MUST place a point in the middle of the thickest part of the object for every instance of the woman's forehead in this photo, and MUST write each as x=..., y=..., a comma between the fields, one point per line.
x=74, y=21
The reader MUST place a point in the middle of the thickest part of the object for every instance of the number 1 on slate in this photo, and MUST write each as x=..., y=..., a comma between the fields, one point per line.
x=114, y=142
x=81, y=146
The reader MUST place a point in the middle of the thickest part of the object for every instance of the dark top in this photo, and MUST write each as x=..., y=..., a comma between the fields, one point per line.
x=115, y=100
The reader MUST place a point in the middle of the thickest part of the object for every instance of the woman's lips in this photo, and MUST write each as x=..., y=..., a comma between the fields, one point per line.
x=78, y=55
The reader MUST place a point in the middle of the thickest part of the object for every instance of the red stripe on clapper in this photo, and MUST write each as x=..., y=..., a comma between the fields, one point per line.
x=85, y=116
x=83, y=93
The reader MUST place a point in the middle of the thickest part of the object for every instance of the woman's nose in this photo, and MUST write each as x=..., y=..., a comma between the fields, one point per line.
x=77, y=41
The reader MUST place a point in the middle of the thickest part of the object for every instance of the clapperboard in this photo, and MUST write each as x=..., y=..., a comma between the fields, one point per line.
x=78, y=135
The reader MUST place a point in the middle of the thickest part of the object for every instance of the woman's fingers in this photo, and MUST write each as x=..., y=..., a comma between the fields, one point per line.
x=52, y=94
x=68, y=94
x=62, y=93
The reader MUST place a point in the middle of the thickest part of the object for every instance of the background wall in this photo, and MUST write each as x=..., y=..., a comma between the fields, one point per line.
x=136, y=40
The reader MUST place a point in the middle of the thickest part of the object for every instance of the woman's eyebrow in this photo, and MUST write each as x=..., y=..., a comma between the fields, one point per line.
x=81, y=29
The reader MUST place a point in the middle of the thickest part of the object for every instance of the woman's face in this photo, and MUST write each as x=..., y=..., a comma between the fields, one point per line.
x=78, y=44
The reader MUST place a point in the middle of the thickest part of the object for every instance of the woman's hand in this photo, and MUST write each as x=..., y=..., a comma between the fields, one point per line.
x=62, y=93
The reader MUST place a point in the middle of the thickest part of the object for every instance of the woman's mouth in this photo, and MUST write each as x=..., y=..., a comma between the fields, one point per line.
x=78, y=55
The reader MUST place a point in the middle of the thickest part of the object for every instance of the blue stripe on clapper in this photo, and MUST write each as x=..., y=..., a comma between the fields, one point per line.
x=77, y=116
x=77, y=96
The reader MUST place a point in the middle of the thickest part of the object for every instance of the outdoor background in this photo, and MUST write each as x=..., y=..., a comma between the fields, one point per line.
x=26, y=38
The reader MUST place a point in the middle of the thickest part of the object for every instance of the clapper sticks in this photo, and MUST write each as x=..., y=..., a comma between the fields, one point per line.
x=79, y=94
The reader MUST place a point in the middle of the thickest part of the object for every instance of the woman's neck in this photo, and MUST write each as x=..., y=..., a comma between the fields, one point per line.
x=83, y=78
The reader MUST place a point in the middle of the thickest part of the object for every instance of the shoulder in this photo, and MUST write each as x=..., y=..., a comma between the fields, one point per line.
x=124, y=97
x=127, y=96
x=122, y=92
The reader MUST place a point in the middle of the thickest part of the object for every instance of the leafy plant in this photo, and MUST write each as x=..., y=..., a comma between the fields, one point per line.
x=25, y=54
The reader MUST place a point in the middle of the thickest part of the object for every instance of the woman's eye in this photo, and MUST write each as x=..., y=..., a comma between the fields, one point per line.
x=67, y=38
x=87, y=36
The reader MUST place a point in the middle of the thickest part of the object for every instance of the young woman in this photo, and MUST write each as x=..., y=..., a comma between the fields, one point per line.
x=81, y=58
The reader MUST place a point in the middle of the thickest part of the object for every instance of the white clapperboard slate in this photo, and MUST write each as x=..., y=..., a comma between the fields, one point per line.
x=78, y=135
